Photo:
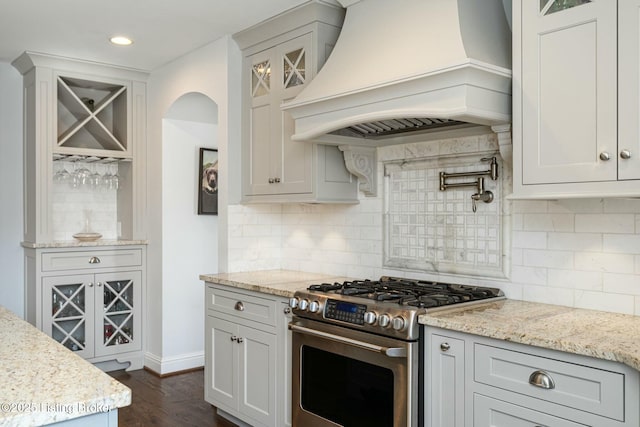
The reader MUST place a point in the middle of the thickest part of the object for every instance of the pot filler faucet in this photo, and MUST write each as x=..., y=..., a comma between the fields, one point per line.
x=481, y=195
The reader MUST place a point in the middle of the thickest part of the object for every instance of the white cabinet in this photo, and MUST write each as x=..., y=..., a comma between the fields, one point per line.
x=90, y=301
x=281, y=56
x=576, y=98
x=444, y=381
x=247, y=367
x=482, y=382
x=82, y=115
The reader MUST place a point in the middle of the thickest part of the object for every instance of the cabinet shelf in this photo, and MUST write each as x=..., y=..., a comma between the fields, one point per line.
x=91, y=115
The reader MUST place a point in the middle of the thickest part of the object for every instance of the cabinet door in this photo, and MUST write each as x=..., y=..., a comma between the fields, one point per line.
x=278, y=165
x=285, y=339
x=69, y=312
x=257, y=374
x=295, y=57
x=221, y=366
x=119, y=312
x=496, y=413
x=446, y=382
x=629, y=89
x=569, y=84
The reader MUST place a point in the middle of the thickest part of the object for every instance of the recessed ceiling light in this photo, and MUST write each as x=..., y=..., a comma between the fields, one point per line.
x=121, y=40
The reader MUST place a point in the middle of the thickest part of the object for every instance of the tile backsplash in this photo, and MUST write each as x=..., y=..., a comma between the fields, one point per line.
x=580, y=253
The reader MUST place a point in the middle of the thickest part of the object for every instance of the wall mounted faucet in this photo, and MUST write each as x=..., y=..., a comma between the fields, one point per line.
x=481, y=194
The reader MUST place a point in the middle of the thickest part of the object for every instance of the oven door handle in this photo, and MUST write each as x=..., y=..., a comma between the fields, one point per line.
x=389, y=351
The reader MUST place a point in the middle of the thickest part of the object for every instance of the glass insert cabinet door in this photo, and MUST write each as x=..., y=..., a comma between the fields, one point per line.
x=118, y=305
x=68, y=312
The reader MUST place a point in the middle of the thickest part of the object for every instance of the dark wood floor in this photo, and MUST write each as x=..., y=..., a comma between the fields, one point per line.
x=174, y=401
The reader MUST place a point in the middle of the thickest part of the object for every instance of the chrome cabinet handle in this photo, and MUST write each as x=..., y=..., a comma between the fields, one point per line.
x=276, y=180
x=604, y=156
x=91, y=284
x=239, y=340
x=239, y=306
x=625, y=154
x=94, y=260
x=445, y=346
x=99, y=284
x=271, y=180
x=542, y=379
x=287, y=310
x=234, y=338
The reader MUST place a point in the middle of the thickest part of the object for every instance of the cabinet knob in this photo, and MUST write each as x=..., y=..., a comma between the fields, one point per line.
x=287, y=310
x=604, y=156
x=239, y=340
x=234, y=338
x=276, y=180
x=542, y=379
x=91, y=284
x=445, y=346
x=94, y=260
x=271, y=180
x=239, y=306
x=99, y=284
x=625, y=154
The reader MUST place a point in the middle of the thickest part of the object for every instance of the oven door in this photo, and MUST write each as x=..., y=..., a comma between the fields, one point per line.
x=343, y=377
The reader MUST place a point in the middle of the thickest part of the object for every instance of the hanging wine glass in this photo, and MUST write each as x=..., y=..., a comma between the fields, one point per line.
x=62, y=175
x=115, y=179
x=95, y=179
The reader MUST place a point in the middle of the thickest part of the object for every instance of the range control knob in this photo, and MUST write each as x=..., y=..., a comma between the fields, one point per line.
x=294, y=302
x=384, y=320
x=303, y=304
x=314, y=306
x=398, y=323
x=370, y=317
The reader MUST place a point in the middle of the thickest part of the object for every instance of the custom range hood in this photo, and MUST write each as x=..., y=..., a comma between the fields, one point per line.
x=409, y=65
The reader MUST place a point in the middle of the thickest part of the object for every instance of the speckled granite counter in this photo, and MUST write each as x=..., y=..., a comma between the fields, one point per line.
x=79, y=244
x=598, y=334
x=41, y=382
x=273, y=282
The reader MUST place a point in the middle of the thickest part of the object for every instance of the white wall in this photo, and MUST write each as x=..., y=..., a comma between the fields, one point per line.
x=11, y=253
x=578, y=253
x=211, y=71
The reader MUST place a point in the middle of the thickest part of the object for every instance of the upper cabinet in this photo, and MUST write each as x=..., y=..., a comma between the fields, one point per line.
x=85, y=149
x=576, y=95
x=280, y=56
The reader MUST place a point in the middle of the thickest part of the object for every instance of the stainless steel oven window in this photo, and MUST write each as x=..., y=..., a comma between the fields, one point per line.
x=348, y=378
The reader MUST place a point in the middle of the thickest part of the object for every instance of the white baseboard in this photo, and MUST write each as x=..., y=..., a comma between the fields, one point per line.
x=167, y=365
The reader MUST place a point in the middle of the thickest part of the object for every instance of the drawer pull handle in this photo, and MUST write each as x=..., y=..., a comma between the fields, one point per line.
x=94, y=260
x=542, y=379
x=239, y=306
x=445, y=346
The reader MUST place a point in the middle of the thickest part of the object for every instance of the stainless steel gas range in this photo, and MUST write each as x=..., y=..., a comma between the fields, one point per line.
x=356, y=349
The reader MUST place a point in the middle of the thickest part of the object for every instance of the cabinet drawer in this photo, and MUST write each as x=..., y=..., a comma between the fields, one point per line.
x=496, y=413
x=54, y=261
x=242, y=305
x=581, y=387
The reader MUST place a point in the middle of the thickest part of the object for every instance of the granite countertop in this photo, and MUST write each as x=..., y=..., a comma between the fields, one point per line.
x=273, y=282
x=41, y=382
x=599, y=334
x=79, y=244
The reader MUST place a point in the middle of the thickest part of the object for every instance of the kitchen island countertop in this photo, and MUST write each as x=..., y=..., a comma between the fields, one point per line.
x=41, y=382
x=599, y=334
x=273, y=282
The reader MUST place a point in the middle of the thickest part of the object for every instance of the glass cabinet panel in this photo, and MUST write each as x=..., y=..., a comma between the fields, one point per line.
x=68, y=310
x=551, y=6
x=261, y=78
x=294, y=68
x=118, y=298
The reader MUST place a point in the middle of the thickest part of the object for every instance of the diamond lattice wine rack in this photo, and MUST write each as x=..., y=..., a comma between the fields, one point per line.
x=91, y=116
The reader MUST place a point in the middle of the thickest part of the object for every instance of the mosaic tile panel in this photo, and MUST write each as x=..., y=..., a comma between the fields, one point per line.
x=431, y=230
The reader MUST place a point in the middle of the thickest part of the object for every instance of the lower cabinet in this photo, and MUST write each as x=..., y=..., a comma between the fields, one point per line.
x=475, y=381
x=247, y=364
x=90, y=300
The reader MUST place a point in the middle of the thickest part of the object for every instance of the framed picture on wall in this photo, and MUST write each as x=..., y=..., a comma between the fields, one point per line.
x=208, y=182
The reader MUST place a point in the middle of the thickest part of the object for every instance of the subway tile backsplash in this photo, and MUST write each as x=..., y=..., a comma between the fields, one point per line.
x=580, y=253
